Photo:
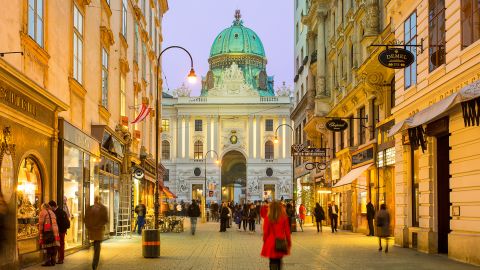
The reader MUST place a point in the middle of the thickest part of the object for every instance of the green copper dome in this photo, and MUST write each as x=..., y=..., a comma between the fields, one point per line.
x=237, y=39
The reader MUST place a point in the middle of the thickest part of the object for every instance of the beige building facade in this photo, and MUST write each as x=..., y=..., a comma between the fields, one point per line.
x=437, y=172
x=67, y=102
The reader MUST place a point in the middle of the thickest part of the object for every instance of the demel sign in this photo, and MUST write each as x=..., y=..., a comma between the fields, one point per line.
x=336, y=125
x=396, y=58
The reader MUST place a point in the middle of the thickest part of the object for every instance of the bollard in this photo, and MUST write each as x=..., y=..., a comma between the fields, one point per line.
x=151, y=243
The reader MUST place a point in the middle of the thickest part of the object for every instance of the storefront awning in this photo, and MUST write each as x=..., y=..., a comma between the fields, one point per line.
x=352, y=175
x=468, y=96
x=168, y=193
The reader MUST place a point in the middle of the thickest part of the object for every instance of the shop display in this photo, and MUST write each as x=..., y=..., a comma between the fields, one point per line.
x=28, y=199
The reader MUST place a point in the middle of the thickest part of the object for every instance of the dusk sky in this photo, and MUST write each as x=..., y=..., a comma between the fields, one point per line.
x=194, y=24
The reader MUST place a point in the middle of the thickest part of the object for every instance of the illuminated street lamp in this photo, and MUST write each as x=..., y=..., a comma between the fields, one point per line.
x=192, y=78
x=275, y=140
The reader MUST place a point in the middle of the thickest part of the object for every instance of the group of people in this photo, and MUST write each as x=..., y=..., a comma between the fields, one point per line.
x=53, y=225
x=243, y=215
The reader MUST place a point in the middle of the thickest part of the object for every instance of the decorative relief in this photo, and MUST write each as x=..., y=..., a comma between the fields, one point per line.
x=253, y=186
x=232, y=83
x=210, y=80
x=182, y=91
x=284, y=186
x=372, y=17
x=284, y=90
x=262, y=80
x=106, y=36
x=124, y=66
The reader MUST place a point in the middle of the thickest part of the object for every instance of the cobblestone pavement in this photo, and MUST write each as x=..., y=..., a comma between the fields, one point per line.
x=210, y=249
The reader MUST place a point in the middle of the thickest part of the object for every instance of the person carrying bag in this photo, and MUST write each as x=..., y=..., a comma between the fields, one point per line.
x=49, y=236
x=277, y=240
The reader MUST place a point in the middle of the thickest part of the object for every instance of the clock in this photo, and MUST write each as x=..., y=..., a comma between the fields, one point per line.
x=234, y=139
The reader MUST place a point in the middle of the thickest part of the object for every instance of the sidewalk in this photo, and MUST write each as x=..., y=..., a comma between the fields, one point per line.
x=210, y=249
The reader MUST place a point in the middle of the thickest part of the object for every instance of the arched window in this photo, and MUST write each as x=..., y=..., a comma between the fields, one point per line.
x=198, y=150
x=269, y=150
x=165, y=150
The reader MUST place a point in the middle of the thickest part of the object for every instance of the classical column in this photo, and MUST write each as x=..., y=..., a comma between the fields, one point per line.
x=187, y=137
x=179, y=137
x=321, y=60
x=311, y=78
x=258, y=138
x=216, y=128
x=208, y=139
x=251, y=135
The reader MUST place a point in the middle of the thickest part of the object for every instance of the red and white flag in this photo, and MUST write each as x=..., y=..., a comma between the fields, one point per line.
x=143, y=113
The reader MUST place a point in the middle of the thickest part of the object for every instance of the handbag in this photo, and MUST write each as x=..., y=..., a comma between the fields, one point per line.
x=281, y=244
x=48, y=236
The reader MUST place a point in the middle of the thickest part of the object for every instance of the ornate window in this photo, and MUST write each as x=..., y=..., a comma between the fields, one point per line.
x=165, y=125
x=269, y=150
x=269, y=125
x=436, y=33
x=198, y=125
x=77, y=45
x=198, y=150
x=470, y=22
x=165, y=150
x=410, y=28
x=35, y=20
x=104, y=78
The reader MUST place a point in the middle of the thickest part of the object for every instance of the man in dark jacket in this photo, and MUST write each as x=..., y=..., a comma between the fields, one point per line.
x=333, y=214
x=96, y=217
x=223, y=217
x=141, y=211
x=370, y=217
x=193, y=212
x=63, y=224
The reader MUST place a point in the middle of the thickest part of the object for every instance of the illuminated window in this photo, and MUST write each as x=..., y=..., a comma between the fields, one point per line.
x=165, y=125
x=269, y=154
x=198, y=150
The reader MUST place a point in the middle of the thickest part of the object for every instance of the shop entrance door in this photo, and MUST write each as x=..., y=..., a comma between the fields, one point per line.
x=443, y=192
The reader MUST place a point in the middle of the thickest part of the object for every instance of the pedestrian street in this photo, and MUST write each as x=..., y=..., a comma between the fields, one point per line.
x=210, y=249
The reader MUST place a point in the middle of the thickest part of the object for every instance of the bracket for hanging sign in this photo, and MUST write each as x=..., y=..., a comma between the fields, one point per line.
x=387, y=46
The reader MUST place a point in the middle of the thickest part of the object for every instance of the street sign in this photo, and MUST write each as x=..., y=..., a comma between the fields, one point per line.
x=336, y=125
x=310, y=152
x=396, y=58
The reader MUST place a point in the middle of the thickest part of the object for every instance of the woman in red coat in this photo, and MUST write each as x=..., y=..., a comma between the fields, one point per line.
x=275, y=226
x=301, y=215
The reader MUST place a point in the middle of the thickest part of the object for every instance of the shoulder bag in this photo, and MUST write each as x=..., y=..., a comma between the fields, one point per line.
x=48, y=236
x=281, y=244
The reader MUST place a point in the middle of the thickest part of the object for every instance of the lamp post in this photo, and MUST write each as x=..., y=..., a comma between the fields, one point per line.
x=293, y=165
x=191, y=78
x=217, y=161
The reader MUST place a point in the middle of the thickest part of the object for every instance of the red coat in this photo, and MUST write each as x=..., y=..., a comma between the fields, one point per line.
x=302, y=212
x=264, y=211
x=271, y=231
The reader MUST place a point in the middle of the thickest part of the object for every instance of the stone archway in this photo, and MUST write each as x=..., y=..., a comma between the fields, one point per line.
x=234, y=177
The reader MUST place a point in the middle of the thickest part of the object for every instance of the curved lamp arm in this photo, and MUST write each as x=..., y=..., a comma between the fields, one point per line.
x=276, y=130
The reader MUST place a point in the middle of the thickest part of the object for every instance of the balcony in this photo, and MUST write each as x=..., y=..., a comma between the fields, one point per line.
x=313, y=57
x=300, y=70
x=296, y=78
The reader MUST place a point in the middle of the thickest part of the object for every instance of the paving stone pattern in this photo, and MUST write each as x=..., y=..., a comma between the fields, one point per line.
x=210, y=249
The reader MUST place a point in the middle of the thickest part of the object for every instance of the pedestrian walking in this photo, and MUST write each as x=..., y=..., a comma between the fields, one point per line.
x=383, y=226
x=223, y=217
x=193, y=212
x=96, y=217
x=370, y=218
x=301, y=215
x=252, y=217
x=141, y=211
x=245, y=217
x=48, y=232
x=319, y=216
x=238, y=216
x=290, y=214
x=63, y=224
x=276, y=235
x=333, y=214
x=257, y=208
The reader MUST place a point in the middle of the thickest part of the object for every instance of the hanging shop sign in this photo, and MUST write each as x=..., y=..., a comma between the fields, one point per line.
x=138, y=173
x=396, y=58
x=312, y=165
x=309, y=152
x=337, y=125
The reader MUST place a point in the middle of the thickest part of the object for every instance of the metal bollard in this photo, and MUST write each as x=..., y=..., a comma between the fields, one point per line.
x=151, y=243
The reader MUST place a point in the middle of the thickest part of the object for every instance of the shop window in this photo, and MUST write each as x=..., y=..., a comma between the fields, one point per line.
x=165, y=150
x=436, y=33
x=470, y=17
x=414, y=160
x=198, y=150
x=197, y=192
x=410, y=30
x=29, y=200
x=73, y=175
x=269, y=152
